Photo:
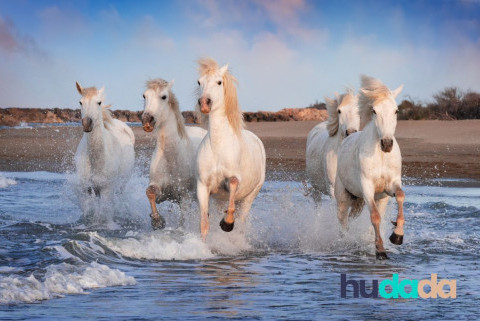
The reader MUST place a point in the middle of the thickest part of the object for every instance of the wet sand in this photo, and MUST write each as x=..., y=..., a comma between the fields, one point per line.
x=430, y=149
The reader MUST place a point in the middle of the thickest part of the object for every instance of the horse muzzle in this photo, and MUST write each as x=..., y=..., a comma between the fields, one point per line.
x=148, y=122
x=205, y=104
x=386, y=145
x=350, y=131
x=87, y=124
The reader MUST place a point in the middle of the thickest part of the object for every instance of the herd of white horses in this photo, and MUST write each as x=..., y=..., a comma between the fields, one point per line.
x=353, y=157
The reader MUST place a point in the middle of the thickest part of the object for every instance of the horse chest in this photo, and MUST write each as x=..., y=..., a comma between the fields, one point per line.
x=382, y=174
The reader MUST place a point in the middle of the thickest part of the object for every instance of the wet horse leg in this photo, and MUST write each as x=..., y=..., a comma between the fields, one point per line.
x=158, y=222
x=203, y=196
x=375, y=218
x=344, y=201
x=397, y=234
x=228, y=221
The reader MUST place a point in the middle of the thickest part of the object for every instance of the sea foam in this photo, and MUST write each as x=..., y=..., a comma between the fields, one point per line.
x=5, y=182
x=60, y=279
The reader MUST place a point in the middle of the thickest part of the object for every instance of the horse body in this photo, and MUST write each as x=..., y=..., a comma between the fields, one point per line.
x=104, y=158
x=369, y=163
x=230, y=160
x=324, y=140
x=172, y=168
x=105, y=154
x=223, y=154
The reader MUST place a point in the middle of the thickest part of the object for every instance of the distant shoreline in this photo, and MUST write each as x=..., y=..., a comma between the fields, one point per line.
x=431, y=149
x=15, y=116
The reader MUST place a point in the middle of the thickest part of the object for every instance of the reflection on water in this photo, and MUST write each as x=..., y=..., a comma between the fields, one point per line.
x=284, y=264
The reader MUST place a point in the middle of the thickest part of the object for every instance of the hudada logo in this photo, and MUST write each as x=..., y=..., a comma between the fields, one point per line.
x=407, y=289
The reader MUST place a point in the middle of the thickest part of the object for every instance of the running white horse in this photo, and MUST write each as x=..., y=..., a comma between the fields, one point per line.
x=105, y=156
x=370, y=163
x=324, y=140
x=230, y=159
x=172, y=169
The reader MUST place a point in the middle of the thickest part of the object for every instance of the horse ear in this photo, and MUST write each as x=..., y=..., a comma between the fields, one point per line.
x=79, y=88
x=397, y=91
x=224, y=69
x=101, y=90
x=170, y=84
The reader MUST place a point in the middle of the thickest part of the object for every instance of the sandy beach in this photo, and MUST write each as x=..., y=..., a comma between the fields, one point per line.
x=430, y=149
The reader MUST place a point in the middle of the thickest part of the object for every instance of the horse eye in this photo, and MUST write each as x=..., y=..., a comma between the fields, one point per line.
x=198, y=82
x=219, y=82
x=143, y=96
x=99, y=103
x=396, y=111
x=80, y=103
x=339, y=111
x=374, y=112
x=164, y=97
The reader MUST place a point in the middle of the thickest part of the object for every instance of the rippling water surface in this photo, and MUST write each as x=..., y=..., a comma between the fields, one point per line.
x=285, y=262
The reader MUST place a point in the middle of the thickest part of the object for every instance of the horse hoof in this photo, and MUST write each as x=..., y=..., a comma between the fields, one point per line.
x=396, y=239
x=226, y=227
x=381, y=255
x=158, y=222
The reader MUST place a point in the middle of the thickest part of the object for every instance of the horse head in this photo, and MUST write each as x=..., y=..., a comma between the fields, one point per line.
x=157, y=100
x=91, y=106
x=378, y=104
x=343, y=114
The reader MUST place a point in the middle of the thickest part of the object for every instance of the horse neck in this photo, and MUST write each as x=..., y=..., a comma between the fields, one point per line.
x=337, y=138
x=168, y=136
x=96, y=143
x=219, y=128
x=370, y=131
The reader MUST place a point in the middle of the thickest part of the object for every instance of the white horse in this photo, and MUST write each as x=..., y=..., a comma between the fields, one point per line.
x=370, y=163
x=230, y=159
x=105, y=156
x=324, y=140
x=172, y=169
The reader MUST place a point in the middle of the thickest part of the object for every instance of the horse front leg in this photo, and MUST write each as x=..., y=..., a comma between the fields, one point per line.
x=375, y=218
x=203, y=196
x=158, y=222
x=397, y=234
x=228, y=221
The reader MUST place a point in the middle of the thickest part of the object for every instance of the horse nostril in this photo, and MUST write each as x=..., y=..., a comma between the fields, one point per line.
x=350, y=131
x=209, y=101
x=199, y=101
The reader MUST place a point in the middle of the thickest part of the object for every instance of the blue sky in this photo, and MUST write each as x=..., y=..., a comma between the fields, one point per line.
x=284, y=53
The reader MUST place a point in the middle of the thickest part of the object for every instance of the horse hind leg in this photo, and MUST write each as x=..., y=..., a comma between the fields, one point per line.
x=157, y=221
x=94, y=190
x=344, y=201
x=229, y=219
x=397, y=234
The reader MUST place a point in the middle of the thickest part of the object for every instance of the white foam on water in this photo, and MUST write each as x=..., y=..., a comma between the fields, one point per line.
x=285, y=219
x=5, y=182
x=60, y=279
x=158, y=245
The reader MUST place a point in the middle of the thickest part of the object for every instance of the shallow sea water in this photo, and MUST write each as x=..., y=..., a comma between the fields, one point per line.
x=285, y=263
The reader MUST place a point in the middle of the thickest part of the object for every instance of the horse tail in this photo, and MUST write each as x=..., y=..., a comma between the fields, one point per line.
x=356, y=207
